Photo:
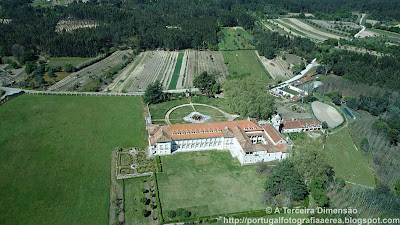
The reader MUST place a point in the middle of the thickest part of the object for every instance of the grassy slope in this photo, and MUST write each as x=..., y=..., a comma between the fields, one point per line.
x=55, y=156
x=175, y=75
x=347, y=161
x=177, y=115
x=241, y=36
x=208, y=183
x=245, y=62
x=62, y=61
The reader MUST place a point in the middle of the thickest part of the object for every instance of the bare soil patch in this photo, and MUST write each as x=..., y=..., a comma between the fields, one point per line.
x=327, y=113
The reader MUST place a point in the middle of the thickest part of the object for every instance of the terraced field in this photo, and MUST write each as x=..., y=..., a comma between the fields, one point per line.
x=88, y=74
x=162, y=65
x=306, y=30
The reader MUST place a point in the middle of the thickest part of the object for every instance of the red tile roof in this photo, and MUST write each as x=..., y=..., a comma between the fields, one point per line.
x=207, y=130
x=274, y=134
x=291, y=124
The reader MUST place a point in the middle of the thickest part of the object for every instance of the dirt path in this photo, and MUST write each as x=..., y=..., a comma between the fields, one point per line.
x=228, y=116
x=116, y=195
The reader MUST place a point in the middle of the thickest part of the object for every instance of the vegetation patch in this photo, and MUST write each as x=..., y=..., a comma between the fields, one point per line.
x=58, y=150
x=63, y=61
x=245, y=62
x=208, y=183
x=175, y=75
x=234, y=38
x=348, y=161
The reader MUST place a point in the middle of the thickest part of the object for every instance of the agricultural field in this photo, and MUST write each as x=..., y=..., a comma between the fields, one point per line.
x=338, y=27
x=393, y=37
x=307, y=30
x=70, y=25
x=208, y=183
x=278, y=68
x=85, y=76
x=348, y=162
x=234, y=38
x=63, y=61
x=175, y=70
x=57, y=150
x=241, y=63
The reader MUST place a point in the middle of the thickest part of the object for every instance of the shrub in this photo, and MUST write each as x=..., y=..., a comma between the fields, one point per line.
x=171, y=214
x=143, y=200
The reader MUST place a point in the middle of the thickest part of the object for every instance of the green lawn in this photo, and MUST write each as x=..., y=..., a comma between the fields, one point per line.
x=159, y=110
x=217, y=102
x=348, y=162
x=55, y=156
x=175, y=75
x=208, y=183
x=62, y=61
x=290, y=91
x=177, y=115
x=244, y=62
x=234, y=39
x=133, y=205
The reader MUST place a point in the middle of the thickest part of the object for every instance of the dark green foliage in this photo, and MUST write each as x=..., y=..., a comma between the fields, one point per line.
x=171, y=214
x=336, y=97
x=285, y=178
x=324, y=125
x=30, y=67
x=205, y=81
x=154, y=93
x=397, y=188
x=364, y=144
x=249, y=98
x=340, y=181
x=69, y=68
x=319, y=193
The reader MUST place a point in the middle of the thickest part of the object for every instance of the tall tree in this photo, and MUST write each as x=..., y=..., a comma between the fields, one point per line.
x=154, y=93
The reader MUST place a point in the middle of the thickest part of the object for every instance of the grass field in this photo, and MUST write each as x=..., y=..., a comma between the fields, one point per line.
x=347, y=161
x=244, y=62
x=175, y=75
x=62, y=61
x=133, y=205
x=177, y=115
x=208, y=183
x=158, y=111
x=217, y=102
x=55, y=156
x=234, y=38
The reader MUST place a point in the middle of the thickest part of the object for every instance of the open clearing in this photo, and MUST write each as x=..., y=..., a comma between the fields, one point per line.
x=86, y=75
x=63, y=61
x=348, y=162
x=208, y=183
x=327, y=113
x=55, y=156
x=241, y=63
x=234, y=38
x=175, y=70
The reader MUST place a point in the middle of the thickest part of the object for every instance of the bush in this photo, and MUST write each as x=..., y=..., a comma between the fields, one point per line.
x=143, y=200
x=171, y=214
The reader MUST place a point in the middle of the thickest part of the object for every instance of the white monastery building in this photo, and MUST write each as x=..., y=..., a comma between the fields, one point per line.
x=245, y=140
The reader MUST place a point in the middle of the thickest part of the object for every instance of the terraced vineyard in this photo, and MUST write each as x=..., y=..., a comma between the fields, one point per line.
x=88, y=74
x=302, y=28
x=175, y=70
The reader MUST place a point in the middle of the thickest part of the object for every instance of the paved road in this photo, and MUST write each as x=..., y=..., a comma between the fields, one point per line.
x=301, y=74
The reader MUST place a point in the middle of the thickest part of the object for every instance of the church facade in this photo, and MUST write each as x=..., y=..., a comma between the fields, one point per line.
x=246, y=141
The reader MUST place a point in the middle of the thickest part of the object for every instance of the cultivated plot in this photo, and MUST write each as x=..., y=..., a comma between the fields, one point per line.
x=175, y=70
x=327, y=113
x=90, y=73
x=278, y=68
x=234, y=38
